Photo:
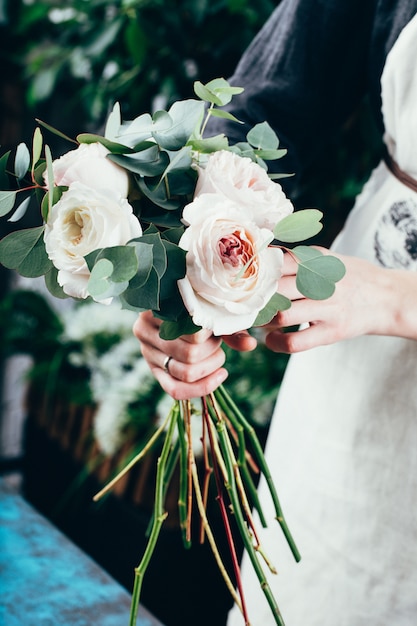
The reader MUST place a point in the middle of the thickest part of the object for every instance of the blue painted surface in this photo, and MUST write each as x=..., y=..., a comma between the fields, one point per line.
x=45, y=580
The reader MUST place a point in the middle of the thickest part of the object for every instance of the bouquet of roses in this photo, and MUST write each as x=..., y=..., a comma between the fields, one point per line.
x=155, y=216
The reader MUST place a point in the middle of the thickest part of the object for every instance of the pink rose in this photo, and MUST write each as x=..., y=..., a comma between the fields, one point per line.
x=231, y=272
x=245, y=183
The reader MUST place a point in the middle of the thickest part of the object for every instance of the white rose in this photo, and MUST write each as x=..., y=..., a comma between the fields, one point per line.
x=88, y=164
x=247, y=184
x=231, y=272
x=84, y=220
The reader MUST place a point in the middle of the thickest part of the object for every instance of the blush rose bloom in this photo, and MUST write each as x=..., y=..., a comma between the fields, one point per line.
x=82, y=221
x=247, y=184
x=88, y=164
x=231, y=272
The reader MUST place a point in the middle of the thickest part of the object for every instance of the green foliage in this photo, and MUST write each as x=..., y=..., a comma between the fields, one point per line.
x=24, y=251
x=278, y=302
x=159, y=152
x=299, y=226
x=317, y=273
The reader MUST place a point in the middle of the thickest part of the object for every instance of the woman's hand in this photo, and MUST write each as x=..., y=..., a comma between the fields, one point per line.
x=196, y=364
x=368, y=300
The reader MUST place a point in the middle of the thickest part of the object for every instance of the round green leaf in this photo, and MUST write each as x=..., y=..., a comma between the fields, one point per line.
x=263, y=137
x=99, y=285
x=299, y=225
x=317, y=273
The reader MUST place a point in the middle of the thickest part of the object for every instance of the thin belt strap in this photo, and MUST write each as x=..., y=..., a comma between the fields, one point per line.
x=402, y=176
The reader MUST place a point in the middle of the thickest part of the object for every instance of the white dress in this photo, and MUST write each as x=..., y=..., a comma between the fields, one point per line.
x=343, y=441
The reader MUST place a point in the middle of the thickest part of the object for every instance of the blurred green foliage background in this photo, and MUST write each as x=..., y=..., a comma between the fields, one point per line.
x=68, y=62
x=75, y=59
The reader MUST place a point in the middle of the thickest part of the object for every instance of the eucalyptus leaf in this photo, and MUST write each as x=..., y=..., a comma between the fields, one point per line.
x=181, y=160
x=47, y=202
x=299, y=225
x=123, y=259
x=114, y=147
x=7, y=200
x=279, y=175
x=278, y=302
x=24, y=251
x=222, y=90
x=263, y=137
x=271, y=155
x=137, y=130
x=113, y=123
x=22, y=161
x=144, y=254
x=159, y=257
x=317, y=273
x=20, y=211
x=143, y=296
x=177, y=269
x=36, y=148
x=186, y=116
x=161, y=121
x=205, y=94
x=225, y=115
x=143, y=145
x=182, y=183
x=222, y=85
x=173, y=234
x=39, y=171
x=244, y=149
x=211, y=144
x=55, y=131
x=98, y=282
x=101, y=284
x=50, y=177
x=151, y=162
x=159, y=196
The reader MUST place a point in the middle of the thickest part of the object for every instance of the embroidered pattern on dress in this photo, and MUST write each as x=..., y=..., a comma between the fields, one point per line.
x=395, y=242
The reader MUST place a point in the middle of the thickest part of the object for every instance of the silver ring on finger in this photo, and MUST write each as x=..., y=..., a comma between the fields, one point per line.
x=167, y=361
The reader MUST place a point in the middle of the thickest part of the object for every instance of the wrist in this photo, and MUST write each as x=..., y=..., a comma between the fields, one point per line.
x=400, y=304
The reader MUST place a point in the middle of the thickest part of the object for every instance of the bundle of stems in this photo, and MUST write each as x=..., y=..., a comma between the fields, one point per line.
x=231, y=454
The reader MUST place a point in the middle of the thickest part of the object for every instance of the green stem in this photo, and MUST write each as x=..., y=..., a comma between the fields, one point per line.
x=182, y=498
x=242, y=460
x=208, y=115
x=133, y=462
x=210, y=537
x=170, y=468
x=228, y=455
x=159, y=516
x=260, y=458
